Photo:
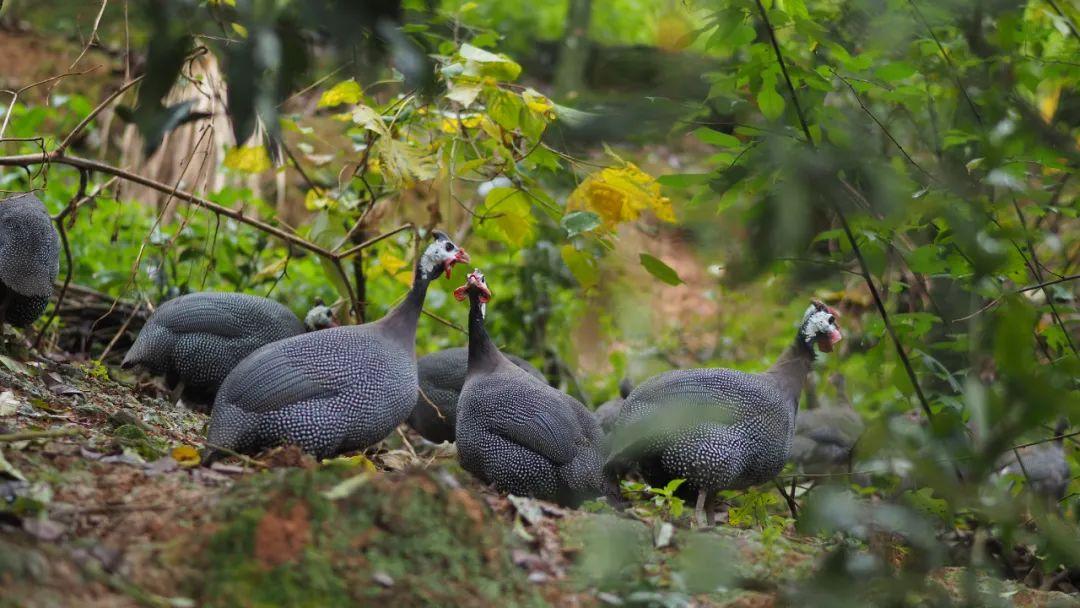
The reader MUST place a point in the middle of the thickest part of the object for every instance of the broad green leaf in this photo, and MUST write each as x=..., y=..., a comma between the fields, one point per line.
x=660, y=270
x=485, y=63
x=769, y=101
x=506, y=216
x=717, y=138
x=465, y=94
x=578, y=222
x=346, y=91
x=895, y=71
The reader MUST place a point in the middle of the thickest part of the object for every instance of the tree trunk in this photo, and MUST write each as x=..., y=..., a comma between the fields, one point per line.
x=570, y=71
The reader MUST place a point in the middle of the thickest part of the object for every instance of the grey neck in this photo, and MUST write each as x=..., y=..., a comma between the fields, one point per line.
x=483, y=354
x=400, y=323
x=790, y=370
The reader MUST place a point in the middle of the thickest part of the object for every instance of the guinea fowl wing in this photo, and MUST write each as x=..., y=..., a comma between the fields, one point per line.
x=542, y=419
x=199, y=314
x=271, y=378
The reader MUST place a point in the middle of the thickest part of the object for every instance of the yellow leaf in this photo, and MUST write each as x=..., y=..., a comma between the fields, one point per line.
x=314, y=202
x=358, y=461
x=1048, y=95
x=674, y=32
x=620, y=194
x=506, y=216
x=537, y=102
x=247, y=159
x=346, y=91
x=186, y=456
x=370, y=119
x=454, y=124
x=240, y=30
x=393, y=265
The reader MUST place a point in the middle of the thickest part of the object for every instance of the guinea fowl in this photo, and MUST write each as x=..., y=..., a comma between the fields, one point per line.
x=1043, y=466
x=517, y=433
x=334, y=390
x=29, y=259
x=719, y=428
x=608, y=412
x=441, y=376
x=195, y=340
x=825, y=436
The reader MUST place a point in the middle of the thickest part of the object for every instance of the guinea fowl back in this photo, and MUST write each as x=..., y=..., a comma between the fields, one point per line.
x=197, y=339
x=29, y=259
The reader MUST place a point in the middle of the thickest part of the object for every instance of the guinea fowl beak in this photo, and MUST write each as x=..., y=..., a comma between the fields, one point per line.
x=461, y=257
x=826, y=342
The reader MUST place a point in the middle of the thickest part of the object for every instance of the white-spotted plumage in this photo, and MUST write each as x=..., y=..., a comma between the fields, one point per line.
x=517, y=433
x=334, y=390
x=718, y=428
x=29, y=259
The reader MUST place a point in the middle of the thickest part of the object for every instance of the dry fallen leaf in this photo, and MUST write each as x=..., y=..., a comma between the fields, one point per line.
x=8, y=404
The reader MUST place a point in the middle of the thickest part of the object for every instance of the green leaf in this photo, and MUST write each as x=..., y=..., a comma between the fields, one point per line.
x=895, y=71
x=506, y=216
x=579, y=221
x=660, y=270
x=346, y=91
x=479, y=62
x=769, y=101
x=717, y=138
x=581, y=265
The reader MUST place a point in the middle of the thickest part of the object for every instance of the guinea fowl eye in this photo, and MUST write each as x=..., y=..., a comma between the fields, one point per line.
x=832, y=320
x=449, y=246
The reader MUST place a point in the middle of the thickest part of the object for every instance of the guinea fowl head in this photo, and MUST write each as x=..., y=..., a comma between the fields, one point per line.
x=319, y=317
x=819, y=327
x=440, y=256
x=474, y=283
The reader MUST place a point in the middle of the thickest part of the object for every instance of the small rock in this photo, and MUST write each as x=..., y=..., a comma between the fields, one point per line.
x=43, y=529
x=8, y=403
x=609, y=598
x=55, y=383
x=162, y=466
x=90, y=454
x=383, y=579
x=538, y=578
x=228, y=469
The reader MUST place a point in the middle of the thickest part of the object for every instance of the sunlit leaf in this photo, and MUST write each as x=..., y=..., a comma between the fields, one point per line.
x=769, y=101
x=620, y=194
x=506, y=216
x=581, y=265
x=186, y=456
x=247, y=159
x=346, y=91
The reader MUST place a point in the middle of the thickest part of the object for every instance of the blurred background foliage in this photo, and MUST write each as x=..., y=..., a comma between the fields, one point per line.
x=647, y=185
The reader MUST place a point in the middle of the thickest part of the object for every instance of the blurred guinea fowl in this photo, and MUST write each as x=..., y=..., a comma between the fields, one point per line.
x=441, y=376
x=608, y=412
x=514, y=431
x=195, y=340
x=1043, y=466
x=335, y=390
x=29, y=259
x=719, y=428
x=825, y=436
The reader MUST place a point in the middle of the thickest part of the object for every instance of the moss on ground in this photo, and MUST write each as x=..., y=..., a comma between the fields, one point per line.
x=335, y=537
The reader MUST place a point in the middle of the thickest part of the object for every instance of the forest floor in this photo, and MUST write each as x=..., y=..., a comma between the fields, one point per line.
x=103, y=503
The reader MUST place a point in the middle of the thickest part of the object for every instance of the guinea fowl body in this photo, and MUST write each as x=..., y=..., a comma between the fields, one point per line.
x=441, y=376
x=197, y=339
x=1043, y=466
x=825, y=437
x=718, y=428
x=608, y=413
x=520, y=435
x=29, y=259
x=333, y=390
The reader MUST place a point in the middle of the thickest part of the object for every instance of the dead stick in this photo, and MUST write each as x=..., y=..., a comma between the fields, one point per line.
x=49, y=434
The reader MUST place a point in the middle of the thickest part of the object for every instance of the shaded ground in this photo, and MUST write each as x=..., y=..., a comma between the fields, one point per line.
x=102, y=504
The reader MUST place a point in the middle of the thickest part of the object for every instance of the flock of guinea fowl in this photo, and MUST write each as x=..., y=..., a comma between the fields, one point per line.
x=268, y=379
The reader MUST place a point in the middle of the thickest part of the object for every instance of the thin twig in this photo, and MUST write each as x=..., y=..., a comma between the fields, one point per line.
x=84, y=178
x=49, y=434
x=93, y=35
x=93, y=114
x=368, y=243
x=120, y=332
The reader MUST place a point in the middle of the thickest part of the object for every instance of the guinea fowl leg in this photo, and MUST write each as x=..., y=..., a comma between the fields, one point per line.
x=710, y=509
x=699, y=508
x=4, y=299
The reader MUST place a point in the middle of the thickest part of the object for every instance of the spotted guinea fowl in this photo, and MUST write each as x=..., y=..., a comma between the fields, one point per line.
x=1043, y=466
x=514, y=431
x=719, y=428
x=441, y=377
x=195, y=340
x=334, y=390
x=29, y=259
x=608, y=412
x=825, y=436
